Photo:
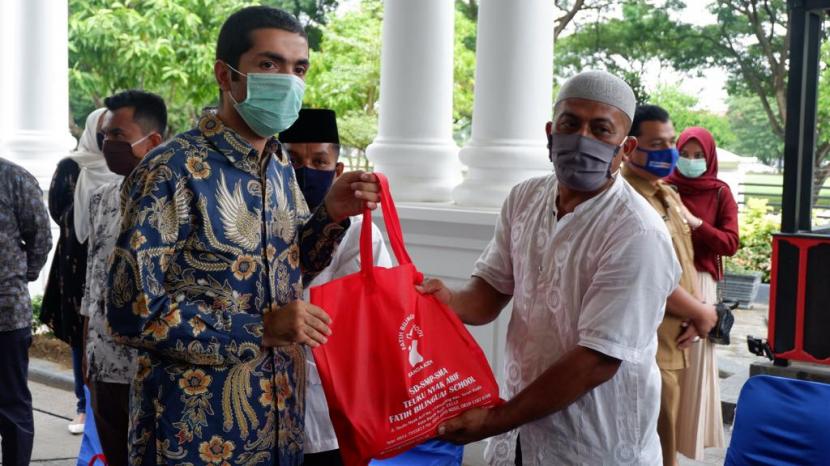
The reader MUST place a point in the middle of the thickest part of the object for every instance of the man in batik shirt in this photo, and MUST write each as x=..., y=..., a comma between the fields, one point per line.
x=132, y=116
x=207, y=271
x=25, y=241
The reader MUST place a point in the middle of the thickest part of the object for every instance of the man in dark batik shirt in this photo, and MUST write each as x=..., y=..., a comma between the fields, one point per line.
x=25, y=241
x=207, y=273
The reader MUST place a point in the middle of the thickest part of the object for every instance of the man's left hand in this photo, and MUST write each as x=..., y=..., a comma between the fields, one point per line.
x=351, y=193
x=688, y=337
x=474, y=425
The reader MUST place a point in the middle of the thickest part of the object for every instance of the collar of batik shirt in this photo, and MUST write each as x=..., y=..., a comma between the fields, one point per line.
x=233, y=146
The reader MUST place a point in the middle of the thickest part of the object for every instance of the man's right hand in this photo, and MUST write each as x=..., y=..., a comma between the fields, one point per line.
x=436, y=288
x=706, y=320
x=296, y=322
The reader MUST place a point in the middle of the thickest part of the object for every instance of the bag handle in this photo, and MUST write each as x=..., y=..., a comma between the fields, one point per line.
x=99, y=456
x=393, y=230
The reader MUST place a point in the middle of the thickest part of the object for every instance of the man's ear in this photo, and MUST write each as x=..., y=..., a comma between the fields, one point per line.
x=628, y=147
x=155, y=140
x=338, y=169
x=222, y=74
x=549, y=133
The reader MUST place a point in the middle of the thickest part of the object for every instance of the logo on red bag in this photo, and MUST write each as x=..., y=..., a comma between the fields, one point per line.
x=409, y=334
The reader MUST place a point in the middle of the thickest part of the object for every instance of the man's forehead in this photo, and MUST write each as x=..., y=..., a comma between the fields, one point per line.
x=585, y=109
x=119, y=118
x=289, y=45
x=656, y=129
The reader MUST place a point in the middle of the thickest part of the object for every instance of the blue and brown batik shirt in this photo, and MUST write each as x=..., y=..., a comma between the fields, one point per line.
x=213, y=236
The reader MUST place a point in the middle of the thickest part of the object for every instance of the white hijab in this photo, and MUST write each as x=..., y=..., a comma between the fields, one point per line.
x=94, y=173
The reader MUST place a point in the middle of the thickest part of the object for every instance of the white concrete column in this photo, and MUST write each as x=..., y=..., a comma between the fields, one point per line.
x=513, y=100
x=414, y=146
x=35, y=54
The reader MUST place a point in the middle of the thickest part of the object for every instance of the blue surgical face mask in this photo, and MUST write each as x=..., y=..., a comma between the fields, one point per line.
x=691, y=168
x=314, y=184
x=273, y=102
x=659, y=163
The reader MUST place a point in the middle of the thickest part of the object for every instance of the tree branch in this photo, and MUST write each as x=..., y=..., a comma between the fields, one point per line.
x=763, y=40
x=821, y=153
x=755, y=82
x=563, y=21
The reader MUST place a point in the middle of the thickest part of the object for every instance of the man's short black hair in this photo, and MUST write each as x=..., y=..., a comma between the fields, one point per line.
x=235, y=35
x=646, y=113
x=149, y=110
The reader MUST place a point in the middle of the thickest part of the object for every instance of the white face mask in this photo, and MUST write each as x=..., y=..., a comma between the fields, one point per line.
x=133, y=144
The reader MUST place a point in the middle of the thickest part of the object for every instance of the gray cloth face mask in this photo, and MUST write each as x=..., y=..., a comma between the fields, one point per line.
x=582, y=163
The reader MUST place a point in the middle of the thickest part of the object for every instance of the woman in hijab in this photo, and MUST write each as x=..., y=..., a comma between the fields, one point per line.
x=712, y=214
x=75, y=178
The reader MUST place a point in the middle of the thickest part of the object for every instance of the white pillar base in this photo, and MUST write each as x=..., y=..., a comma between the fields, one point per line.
x=513, y=100
x=496, y=168
x=38, y=152
x=418, y=171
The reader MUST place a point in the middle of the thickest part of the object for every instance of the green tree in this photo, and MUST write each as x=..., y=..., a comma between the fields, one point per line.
x=753, y=135
x=684, y=112
x=162, y=46
x=312, y=13
x=567, y=11
x=345, y=74
x=751, y=42
x=628, y=45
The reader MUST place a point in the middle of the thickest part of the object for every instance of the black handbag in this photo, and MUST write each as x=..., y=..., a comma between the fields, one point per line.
x=719, y=334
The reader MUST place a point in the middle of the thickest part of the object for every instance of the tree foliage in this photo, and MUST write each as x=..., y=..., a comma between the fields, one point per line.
x=753, y=135
x=750, y=41
x=312, y=13
x=163, y=46
x=345, y=72
x=629, y=45
x=756, y=226
x=685, y=113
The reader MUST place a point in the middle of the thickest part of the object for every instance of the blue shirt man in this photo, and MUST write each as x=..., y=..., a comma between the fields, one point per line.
x=207, y=272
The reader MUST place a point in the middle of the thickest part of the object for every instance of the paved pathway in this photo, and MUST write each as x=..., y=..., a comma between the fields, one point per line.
x=53, y=409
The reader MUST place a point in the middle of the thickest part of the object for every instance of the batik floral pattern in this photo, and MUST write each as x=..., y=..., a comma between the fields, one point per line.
x=213, y=236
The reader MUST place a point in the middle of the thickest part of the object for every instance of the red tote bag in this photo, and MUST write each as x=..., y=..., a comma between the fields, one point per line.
x=398, y=363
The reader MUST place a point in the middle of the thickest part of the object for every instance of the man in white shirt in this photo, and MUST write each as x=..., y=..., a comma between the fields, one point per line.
x=313, y=145
x=589, y=265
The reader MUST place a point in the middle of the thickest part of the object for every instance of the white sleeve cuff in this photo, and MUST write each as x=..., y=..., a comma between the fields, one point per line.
x=610, y=348
x=505, y=287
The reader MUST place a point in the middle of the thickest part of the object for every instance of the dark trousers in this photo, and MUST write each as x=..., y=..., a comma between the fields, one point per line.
x=325, y=458
x=111, y=408
x=78, y=374
x=17, y=427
